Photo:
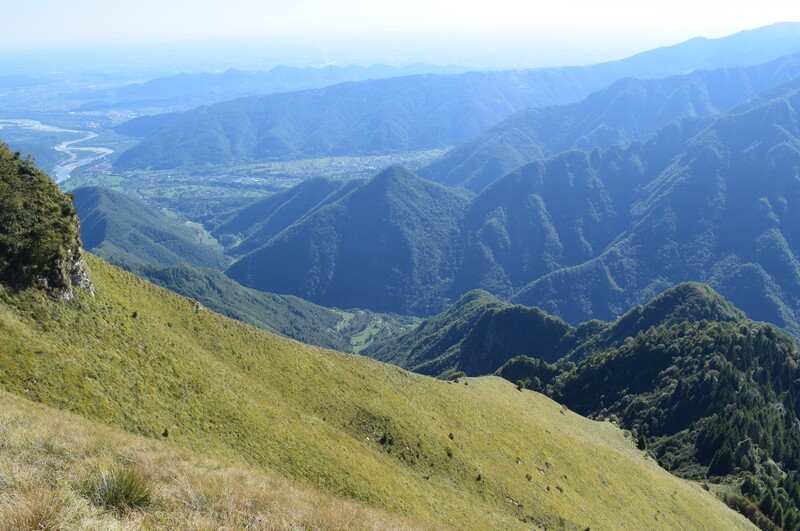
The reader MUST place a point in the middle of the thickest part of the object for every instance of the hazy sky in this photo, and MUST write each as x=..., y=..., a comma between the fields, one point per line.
x=475, y=32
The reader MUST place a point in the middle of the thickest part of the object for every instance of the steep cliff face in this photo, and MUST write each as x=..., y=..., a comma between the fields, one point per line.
x=39, y=231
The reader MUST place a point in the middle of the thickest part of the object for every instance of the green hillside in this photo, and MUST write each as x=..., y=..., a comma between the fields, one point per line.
x=281, y=314
x=115, y=221
x=125, y=229
x=427, y=349
x=627, y=111
x=146, y=360
x=253, y=226
x=708, y=399
x=709, y=392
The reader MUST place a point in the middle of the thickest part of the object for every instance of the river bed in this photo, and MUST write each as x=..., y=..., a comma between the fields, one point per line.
x=74, y=156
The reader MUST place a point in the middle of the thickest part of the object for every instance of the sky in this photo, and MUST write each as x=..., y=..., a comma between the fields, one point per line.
x=466, y=32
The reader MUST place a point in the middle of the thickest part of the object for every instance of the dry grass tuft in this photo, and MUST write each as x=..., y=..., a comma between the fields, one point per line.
x=33, y=509
x=59, y=471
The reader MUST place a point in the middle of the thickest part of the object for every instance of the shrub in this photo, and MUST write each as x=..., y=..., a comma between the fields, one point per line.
x=120, y=489
x=39, y=230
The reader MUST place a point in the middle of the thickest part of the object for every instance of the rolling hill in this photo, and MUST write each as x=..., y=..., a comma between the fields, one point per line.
x=417, y=112
x=627, y=111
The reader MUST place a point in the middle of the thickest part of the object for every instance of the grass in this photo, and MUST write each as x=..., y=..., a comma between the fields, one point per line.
x=48, y=456
x=363, y=339
x=121, y=489
x=347, y=318
x=351, y=427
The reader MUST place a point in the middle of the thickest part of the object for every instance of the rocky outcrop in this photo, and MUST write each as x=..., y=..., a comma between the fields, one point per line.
x=39, y=231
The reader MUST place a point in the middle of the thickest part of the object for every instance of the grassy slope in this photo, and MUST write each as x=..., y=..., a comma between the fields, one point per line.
x=234, y=392
x=281, y=314
x=49, y=456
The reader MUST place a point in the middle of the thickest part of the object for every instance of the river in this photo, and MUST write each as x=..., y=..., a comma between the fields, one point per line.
x=75, y=156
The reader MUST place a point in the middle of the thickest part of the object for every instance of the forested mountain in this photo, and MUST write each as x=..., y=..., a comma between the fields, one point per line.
x=580, y=235
x=388, y=245
x=628, y=110
x=427, y=349
x=479, y=333
x=720, y=207
x=418, y=112
x=123, y=229
x=254, y=225
x=140, y=359
x=143, y=126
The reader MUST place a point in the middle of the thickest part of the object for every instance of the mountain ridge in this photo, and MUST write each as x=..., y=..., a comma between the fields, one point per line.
x=589, y=235
x=121, y=228
x=417, y=112
x=629, y=109
x=479, y=333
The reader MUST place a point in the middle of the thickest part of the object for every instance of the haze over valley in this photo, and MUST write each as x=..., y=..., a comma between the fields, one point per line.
x=346, y=265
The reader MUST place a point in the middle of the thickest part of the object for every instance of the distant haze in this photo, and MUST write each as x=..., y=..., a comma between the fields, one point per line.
x=209, y=34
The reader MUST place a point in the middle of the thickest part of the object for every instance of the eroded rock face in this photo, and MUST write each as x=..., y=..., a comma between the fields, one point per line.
x=69, y=271
x=78, y=278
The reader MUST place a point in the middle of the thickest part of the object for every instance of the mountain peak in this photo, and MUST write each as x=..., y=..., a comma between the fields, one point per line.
x=684, y=302
x=396, y=173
